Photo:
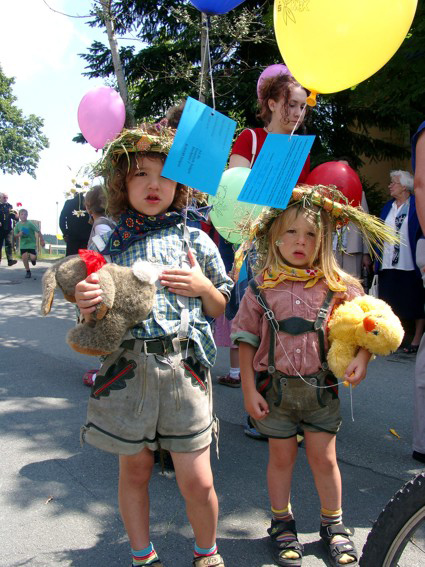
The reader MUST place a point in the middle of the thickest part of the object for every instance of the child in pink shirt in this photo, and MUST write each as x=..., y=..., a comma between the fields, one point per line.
x=281, y=332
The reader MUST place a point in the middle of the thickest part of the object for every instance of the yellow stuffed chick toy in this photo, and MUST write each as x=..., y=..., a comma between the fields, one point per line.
x=366, y=322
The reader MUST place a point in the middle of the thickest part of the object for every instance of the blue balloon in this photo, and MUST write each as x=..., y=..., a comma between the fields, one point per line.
x=214, y=7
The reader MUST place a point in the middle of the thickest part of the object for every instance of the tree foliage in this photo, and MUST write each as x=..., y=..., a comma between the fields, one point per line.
x=166, y=69
x=21, y=138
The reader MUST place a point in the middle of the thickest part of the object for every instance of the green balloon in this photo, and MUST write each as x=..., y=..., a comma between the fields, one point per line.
x=228, y=213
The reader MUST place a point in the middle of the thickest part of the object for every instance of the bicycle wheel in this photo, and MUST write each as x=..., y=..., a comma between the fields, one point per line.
x=397, y=538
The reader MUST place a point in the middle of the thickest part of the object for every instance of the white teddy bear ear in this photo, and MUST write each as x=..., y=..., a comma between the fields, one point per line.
x=145, y=271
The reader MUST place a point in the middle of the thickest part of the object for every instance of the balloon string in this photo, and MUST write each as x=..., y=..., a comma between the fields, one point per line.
x=207, y=53
x=300, y=118
x=351, y=402
x=209, y=61
x=188, y=194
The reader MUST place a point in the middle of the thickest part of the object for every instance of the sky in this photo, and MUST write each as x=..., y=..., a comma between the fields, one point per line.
x=40, y=49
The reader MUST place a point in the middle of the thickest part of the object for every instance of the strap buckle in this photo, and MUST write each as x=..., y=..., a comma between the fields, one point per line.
x=147, y=342
x=321, y=316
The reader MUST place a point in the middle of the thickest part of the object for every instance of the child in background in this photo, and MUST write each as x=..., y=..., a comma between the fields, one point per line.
x=27, y=231
x=169, y=398
x=95, y=202
x=281, y=332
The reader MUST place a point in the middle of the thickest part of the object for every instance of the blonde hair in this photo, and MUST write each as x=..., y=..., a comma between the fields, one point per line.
x=323, y=256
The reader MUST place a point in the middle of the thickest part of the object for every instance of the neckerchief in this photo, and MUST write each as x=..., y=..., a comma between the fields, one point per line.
x=134, y=226
x=273, y=277
x=402, y=213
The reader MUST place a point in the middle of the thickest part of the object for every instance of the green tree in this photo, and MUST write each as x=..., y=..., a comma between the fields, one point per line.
x=21, y=138
x=167, y=68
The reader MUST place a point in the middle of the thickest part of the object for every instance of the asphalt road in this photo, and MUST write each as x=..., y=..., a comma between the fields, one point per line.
x=58, y=501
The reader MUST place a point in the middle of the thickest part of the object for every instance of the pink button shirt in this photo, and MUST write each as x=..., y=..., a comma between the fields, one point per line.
x=289, y=299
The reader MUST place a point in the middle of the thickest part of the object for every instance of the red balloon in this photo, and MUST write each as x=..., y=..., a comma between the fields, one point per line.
x=342, y=176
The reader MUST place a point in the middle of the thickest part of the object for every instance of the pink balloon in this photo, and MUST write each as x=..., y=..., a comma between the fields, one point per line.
x=101, y=115
x=272, y=71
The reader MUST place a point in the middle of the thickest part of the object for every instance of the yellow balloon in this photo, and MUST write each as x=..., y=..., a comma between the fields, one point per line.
x=331, y=45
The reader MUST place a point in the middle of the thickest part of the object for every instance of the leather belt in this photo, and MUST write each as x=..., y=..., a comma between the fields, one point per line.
x=161, y=345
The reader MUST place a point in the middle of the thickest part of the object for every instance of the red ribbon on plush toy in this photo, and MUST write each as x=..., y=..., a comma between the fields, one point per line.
x=92, y=259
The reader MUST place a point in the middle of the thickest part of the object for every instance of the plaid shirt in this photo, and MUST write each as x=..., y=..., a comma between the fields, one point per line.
x=165, y=248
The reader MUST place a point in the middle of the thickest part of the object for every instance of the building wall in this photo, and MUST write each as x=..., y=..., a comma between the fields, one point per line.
x=379, y=172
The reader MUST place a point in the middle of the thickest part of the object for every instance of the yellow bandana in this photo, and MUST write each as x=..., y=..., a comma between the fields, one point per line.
x=273, y=277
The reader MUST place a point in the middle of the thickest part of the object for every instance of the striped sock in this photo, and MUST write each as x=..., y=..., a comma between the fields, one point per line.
x=328, y=517
x=201, y=552
x=284, y=515
x=144, y=556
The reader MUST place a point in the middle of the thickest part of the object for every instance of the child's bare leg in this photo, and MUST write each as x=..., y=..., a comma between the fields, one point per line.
x=25, y=260
x=321, y=454
x=133, y=495
x=282, y=456
x=195, y=480
x=234, y=357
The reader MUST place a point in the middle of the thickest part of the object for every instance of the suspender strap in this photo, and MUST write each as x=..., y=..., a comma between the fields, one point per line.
x=319, y=326
x=272, y=323
x=183, y=301
x=294, y=325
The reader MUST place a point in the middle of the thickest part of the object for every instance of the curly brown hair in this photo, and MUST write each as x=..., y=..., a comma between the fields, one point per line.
x=275, y=88
x=125, y=168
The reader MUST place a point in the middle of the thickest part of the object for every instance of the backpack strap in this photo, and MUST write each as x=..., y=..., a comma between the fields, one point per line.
x=254, y=146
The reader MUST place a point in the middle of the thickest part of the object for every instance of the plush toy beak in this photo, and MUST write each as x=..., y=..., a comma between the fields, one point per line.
x=369, y=324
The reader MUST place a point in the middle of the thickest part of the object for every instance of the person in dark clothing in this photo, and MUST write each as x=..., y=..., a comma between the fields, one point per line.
x=7, y=214
x=74, y=224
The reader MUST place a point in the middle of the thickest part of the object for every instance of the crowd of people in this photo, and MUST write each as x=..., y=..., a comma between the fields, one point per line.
x=276, y=330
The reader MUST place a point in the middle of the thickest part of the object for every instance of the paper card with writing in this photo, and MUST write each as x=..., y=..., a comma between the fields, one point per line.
x=276, y=170
x=201, y=147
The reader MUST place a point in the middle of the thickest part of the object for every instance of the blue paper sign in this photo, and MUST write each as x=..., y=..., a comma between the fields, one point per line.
x=276, y=170
x=199, y=153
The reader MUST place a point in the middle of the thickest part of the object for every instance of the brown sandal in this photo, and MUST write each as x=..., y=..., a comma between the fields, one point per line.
x=276, y=528
x=208, y=561
x=336, y=550
x=227, y=380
